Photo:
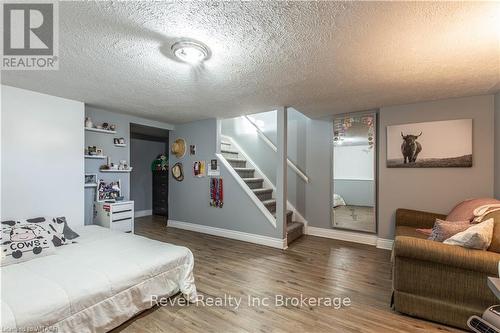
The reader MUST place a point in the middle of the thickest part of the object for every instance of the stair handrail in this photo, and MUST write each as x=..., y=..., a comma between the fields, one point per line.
x=275, y=149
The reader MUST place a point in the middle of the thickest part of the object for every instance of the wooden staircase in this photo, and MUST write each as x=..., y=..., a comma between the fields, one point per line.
x=256, y=184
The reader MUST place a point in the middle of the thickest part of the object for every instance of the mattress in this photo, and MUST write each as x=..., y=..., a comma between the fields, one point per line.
x=95, y=284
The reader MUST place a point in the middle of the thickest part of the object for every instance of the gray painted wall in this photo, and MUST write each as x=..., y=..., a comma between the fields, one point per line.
x=434, y=189
x=142, y=154
x=265, y=157
x=189, y=199
x=497, y=145
x=105, y=141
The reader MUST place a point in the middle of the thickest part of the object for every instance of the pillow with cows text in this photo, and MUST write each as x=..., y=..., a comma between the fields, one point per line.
x=24, y=241
x=57, y=228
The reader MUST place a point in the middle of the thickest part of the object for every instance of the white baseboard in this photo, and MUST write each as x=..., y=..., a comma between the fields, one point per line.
x=233, y=234
x=385, y=244
x=141, y=213
x=351, y=236
x=348, y=236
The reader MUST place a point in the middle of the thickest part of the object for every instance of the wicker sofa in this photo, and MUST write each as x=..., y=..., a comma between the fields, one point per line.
x=440, y=282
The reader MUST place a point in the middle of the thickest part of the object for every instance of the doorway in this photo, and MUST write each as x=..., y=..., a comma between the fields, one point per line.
x=354, y=180
x=149, y=179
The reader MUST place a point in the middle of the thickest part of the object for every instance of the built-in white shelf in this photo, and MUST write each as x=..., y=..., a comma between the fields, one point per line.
x=120, y=145
x=95, y=156
x=90, y=185
x=99, y=130
x=109, y=170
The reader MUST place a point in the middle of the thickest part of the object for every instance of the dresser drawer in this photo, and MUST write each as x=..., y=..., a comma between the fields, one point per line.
x=122, y=215
x=123, y=225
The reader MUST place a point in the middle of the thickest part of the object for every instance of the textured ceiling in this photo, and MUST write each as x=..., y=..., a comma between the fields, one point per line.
x=319, y=57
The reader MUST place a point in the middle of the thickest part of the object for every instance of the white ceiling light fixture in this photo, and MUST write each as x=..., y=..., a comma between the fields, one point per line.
x=190, y=51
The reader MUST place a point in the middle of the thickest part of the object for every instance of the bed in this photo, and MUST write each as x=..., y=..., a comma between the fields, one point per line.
x=93, y=285
x=338, y=200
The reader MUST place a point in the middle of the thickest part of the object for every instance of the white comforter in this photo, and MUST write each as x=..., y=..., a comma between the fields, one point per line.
x=94, y=285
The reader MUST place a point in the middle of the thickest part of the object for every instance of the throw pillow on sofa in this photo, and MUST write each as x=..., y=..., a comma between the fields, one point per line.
x=24, y=241
x=478, y=236
x=445, y=229
x=465, y=210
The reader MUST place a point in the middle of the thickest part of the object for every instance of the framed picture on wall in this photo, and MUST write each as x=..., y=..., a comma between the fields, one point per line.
x=436, y=144
x=90, y=178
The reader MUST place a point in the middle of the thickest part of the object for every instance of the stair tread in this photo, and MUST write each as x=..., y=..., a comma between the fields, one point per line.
x=252, y=179
x=268, y=202
x=262, y=190
x=229, y=159
x=244, y=169
x=293, y=226
x=229, y=151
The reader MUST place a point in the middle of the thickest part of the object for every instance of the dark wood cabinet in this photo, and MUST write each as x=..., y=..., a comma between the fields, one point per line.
x=160, y=193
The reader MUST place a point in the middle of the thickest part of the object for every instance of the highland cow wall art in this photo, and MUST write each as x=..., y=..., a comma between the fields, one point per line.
x=437, y=144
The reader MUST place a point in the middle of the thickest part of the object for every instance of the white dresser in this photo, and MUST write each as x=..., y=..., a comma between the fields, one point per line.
x=115, y=215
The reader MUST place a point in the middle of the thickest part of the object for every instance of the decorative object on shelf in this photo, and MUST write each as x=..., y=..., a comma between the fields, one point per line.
x=179, y=148
x=160, y=163
x=88, y=122
x=112, y=127
x=105, y=126
x=199, y=168
x=108, y=191
x=177, y=172
x=436, y=144
x=90, y=179
x=112, y=167
x=214, y=168
x=216, y=192
x=123, y=165
x=192, y=149
x=93, y=151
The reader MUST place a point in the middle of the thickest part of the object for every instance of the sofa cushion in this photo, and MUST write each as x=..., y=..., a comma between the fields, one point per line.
x=495, y=242
x=409, y=232
x=465, y=210
x=445, y=229
x=477, y=236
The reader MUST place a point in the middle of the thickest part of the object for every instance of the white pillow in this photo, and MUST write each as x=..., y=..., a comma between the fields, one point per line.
x=24, y=241
x=478, y=236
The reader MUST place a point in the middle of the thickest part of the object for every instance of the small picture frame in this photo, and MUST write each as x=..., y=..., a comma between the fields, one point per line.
x=99, y=152
x=90, y=179
x=192, y=149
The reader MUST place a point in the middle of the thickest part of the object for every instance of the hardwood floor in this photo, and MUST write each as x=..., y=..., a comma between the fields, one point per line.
x=312, y=266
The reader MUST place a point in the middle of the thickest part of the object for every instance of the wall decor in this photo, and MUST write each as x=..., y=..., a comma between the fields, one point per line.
x=192, y=149
x=199, y=168
x=90, y=178
x=179, y=148
x=160, y=163
x=436, y=144
x=108, y=191
x=216, y=192
x=213, y=170
x=177, y=172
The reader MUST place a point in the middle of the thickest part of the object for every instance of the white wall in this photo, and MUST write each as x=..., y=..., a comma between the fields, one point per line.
x=42, y=156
